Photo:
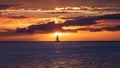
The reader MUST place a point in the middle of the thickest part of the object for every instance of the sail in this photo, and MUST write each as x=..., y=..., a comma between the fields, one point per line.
x=57, y=38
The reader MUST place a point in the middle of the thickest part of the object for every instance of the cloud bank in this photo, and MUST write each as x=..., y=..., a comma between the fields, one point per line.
x=89, y=24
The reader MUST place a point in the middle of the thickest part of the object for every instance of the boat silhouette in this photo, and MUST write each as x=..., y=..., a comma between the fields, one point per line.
x=57, y=39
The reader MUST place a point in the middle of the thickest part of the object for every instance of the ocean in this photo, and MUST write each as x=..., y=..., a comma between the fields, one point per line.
x=59, y=54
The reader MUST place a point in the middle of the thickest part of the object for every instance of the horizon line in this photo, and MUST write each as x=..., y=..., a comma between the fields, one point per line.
x=60, y=41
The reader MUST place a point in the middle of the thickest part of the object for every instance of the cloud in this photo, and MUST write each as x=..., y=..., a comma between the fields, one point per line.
x=17, y=17
x=85, y=21
x=90, y=20
x=45, y=28
x=115, y=28
x=5, y=6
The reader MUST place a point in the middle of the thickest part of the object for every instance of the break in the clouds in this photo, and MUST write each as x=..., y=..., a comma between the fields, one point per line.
x=50, y=4
x=92, y=24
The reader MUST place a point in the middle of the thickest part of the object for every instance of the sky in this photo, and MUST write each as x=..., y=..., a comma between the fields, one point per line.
x=50, y=4
x=97, y=20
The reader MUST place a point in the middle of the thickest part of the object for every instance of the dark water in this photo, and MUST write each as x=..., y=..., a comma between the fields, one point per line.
x=60, y=55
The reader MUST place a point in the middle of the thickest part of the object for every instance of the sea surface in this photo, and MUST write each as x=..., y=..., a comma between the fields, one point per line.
x=59, y=54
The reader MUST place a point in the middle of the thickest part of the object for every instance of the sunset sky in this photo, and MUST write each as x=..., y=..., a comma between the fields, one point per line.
x=96, y=20
x=50, y=4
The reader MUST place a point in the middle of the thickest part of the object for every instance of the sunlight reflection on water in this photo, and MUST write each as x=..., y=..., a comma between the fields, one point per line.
x=60, y=55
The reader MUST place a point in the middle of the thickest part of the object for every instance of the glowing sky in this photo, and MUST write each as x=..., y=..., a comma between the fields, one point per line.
x=50, y=4
x=98, y=20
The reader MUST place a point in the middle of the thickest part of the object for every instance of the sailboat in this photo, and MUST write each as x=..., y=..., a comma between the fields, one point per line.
x=57, y=39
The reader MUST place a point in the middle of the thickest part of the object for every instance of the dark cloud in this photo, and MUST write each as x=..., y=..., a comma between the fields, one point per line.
x=17, y=17
x=5, y=6
x=45, y=28
x=107, y=28
x=96, y=29
x=90, y=20
x=52, y=27
x=115, y=28
x=49, y=27
x=79, y=22
x=14, y=16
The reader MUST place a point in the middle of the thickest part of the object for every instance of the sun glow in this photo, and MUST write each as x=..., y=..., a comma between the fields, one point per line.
x=57, y=33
